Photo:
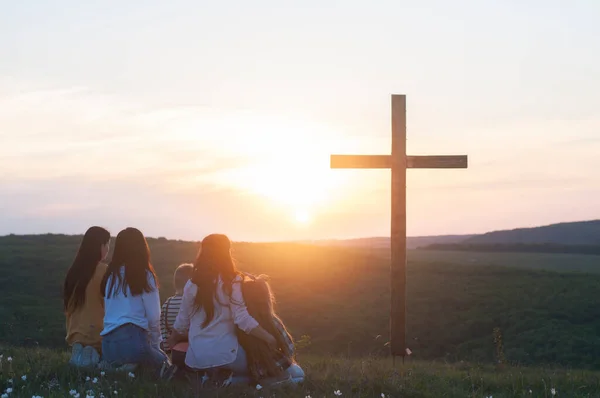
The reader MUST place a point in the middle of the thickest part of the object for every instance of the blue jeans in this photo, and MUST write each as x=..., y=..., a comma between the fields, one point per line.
x=240, y=366
x=131, y=344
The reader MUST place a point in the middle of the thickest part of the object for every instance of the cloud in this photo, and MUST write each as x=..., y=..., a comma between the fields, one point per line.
x=525, y=182
x=72, y=157
x=582, y=140
x=70, y=205
x=77, y=132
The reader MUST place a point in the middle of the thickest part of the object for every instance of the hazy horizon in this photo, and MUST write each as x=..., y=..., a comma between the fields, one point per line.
x=184, y=119
x=199, y=238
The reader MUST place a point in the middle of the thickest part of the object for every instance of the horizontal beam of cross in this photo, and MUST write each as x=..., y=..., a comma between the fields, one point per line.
x=385, y=162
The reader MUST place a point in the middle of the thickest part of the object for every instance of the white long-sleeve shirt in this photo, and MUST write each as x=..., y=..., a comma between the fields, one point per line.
x=217, y=343
x=142, y=310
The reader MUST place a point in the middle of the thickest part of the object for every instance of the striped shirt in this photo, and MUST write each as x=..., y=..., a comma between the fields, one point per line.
x=168, y=314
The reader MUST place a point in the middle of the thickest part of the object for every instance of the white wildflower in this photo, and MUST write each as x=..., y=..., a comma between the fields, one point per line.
x=258, y=387
x=10, y=381
x=95, y=380
x=9, y=390
x=131, y=375
x=4, y=395
x=103, y=373
x=72, y=392
x=115, y=392
x=76, y=395
x=24, y=377
x=87, y=378
x=337, y=393
x=89, y=396
x=553, y=391
x=9, y=359
x=1, y=356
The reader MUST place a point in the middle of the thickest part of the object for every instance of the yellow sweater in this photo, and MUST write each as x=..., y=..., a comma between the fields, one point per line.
x=86, y=322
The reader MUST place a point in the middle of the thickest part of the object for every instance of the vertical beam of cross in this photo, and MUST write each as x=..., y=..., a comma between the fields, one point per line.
x=398, y=162
x=398, y=228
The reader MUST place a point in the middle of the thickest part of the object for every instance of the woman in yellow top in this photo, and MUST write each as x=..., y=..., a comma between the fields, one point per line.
x=82, y=299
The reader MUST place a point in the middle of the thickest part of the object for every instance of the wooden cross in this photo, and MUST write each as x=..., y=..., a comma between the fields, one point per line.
x=398, y=162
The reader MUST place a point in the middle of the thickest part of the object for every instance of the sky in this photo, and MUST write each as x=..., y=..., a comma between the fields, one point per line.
x=185, y=118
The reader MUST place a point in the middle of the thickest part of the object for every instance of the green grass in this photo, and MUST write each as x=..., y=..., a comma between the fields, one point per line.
x=49, y=376
x=340, y=297
x=535, y=261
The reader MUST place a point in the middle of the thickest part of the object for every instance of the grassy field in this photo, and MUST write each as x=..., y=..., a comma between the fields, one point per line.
x=47, y=375
x=536, y=261
x=335, y=300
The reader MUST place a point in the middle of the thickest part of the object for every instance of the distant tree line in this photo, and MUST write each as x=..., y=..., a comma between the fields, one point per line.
x=516, y=248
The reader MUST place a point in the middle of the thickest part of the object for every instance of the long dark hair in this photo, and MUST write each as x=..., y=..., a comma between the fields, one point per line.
x=213, y=261
x=131, y=252
x=262, y=361
x=83, y=268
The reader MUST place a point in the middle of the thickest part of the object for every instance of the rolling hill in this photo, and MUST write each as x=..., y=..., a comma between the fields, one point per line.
x=335, y=300
x=568, y=233
x=579, y=233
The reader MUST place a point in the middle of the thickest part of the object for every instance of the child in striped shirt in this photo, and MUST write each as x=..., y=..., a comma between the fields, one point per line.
x=170, y=309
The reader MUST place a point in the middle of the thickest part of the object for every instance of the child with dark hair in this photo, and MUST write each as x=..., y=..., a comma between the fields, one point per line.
x=131, y=332
x=265, y=364
x=169, y=312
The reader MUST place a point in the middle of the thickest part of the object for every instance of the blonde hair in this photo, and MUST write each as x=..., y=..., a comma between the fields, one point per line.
x=182, y=274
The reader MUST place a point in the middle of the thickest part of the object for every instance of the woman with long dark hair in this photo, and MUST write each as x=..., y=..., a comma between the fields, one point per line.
x=131, y=332
x=211, y=309
x=82, y=302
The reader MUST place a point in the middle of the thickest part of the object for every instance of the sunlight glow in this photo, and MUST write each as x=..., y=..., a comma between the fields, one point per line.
x=285, y=161
x=302, y=217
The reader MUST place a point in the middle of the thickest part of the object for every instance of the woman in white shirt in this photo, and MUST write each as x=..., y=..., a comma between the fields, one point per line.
x=211, y=309
x=131, y=332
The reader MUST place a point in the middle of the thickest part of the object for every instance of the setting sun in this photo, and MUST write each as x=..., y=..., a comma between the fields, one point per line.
x=302, y=217
x=284, y=161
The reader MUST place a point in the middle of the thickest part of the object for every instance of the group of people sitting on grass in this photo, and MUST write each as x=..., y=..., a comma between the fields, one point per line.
x=220, y=324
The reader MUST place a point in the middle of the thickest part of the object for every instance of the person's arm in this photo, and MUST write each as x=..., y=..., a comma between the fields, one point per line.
x=184, y=316
x=163, y=325
x=151, y=302
x=265, y=336
x=243, y=319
